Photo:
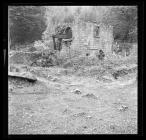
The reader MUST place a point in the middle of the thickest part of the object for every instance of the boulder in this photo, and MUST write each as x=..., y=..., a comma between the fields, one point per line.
x=76, y=91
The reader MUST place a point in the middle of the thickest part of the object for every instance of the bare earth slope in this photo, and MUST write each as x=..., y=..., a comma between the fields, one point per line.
x=63, y=104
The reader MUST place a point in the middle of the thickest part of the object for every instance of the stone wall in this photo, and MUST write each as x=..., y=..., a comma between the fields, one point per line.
x=106, y=38
x=83, y=33
x=84, y=40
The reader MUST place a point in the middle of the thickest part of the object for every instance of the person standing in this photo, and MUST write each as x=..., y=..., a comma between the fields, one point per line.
x=101, y=55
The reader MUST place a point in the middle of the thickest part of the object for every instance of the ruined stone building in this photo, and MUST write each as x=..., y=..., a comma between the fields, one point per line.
x=91, y=37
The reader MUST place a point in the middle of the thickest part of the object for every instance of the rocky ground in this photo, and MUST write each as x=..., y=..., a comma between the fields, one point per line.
x=60, y=102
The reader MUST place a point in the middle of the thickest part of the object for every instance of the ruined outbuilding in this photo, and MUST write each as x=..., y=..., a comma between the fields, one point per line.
x=91, y=37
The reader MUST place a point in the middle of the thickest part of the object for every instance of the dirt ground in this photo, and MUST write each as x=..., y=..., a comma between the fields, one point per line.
x=71, y=104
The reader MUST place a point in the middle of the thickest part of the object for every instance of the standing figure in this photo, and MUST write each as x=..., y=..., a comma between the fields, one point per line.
x=101, y=55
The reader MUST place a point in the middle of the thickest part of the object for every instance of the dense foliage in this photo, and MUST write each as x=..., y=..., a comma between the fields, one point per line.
x=124, y=22
x=27, y=23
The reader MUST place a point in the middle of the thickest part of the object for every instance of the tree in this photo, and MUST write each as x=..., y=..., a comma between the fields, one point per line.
x=123, y=19
x=28, y=23
x=93, y=13
x=56, y=15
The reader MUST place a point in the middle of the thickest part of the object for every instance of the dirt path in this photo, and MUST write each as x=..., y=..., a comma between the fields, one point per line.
x=58, y=109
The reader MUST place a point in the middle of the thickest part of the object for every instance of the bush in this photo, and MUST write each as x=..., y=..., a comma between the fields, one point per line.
x=39, y=45
x=32, y=49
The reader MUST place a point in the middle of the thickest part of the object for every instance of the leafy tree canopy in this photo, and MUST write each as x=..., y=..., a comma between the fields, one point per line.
x=26, y=23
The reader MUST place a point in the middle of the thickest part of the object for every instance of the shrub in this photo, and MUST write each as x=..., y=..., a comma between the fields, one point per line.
x=39, y=45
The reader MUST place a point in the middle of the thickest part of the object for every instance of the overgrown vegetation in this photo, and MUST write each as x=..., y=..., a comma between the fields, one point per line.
x=122, y=18
x=31, y=28
x=27, y=24
x=31, y=23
